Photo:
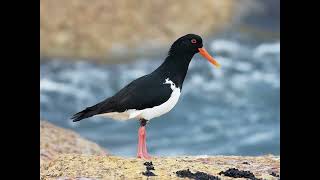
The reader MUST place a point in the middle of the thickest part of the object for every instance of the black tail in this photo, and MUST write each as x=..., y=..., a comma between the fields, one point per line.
x=102, y=107
x=88, y=112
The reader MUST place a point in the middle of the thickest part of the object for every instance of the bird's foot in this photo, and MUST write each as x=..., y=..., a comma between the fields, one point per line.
x=144, y=156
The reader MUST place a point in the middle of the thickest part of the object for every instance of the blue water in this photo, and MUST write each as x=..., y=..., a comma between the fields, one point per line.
x=234, y=110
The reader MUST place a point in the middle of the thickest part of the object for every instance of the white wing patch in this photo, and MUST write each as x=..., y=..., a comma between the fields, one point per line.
x=150, y=113
x=172, y=85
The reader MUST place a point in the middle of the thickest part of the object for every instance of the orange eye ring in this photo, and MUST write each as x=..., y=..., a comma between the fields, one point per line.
x=193, y=41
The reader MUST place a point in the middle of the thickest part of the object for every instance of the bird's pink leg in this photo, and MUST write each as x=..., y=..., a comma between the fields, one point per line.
x=141, y=133
x=144, y=150
x=142, y=145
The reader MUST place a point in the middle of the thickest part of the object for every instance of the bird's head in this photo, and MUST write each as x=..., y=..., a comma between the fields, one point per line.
x=191, y=44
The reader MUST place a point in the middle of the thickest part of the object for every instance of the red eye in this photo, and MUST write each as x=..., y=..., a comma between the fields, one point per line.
x=193, y=41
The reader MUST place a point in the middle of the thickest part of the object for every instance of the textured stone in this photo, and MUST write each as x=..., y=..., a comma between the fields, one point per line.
x=74, y=166
x=55, y=140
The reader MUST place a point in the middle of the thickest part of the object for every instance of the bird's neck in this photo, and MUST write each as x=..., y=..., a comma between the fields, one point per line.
x=175, y=67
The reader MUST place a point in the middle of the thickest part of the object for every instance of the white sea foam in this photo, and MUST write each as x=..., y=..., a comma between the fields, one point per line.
x=258, y=137
x=265, y=49
x=222, y=45
x=64, y=88
x=243, y=66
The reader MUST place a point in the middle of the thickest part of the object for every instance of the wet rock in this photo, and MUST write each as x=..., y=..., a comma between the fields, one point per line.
x=274, y=174
x=236, y=173
x=198, y=175
x=184, y=173
x=149, y=167
x=148, y=173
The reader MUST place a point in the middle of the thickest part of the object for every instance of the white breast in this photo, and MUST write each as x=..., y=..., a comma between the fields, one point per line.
x=153, y=112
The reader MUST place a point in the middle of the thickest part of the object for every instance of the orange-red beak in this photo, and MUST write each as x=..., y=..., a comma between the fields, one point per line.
x=206, y=55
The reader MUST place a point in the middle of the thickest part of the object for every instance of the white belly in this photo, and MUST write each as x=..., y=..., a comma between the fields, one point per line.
x=161, y=109
x=149, y=113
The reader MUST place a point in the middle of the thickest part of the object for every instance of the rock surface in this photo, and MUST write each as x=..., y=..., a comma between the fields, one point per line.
x=96, y=29
x=74, y=166
x=55, y=140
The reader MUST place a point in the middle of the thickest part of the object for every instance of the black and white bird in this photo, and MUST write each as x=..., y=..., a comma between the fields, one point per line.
x=154, y=94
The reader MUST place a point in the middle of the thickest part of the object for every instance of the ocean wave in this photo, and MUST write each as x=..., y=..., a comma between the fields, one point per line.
x=226, y=46
x=266, y=48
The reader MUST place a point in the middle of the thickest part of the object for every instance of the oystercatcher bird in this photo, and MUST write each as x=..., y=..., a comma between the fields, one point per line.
x=154, y=94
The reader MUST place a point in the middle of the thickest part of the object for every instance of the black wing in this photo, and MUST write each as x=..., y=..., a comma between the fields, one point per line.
x=145, y=92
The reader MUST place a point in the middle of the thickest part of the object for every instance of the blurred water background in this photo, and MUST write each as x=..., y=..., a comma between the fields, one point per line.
x=234, y=110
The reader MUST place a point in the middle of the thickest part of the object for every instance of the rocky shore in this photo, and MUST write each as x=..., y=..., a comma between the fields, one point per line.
x=66, y=155
x=75, y=166
x=96, y=30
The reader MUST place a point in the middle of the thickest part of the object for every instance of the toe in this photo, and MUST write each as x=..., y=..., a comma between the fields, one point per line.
x=140, y=155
